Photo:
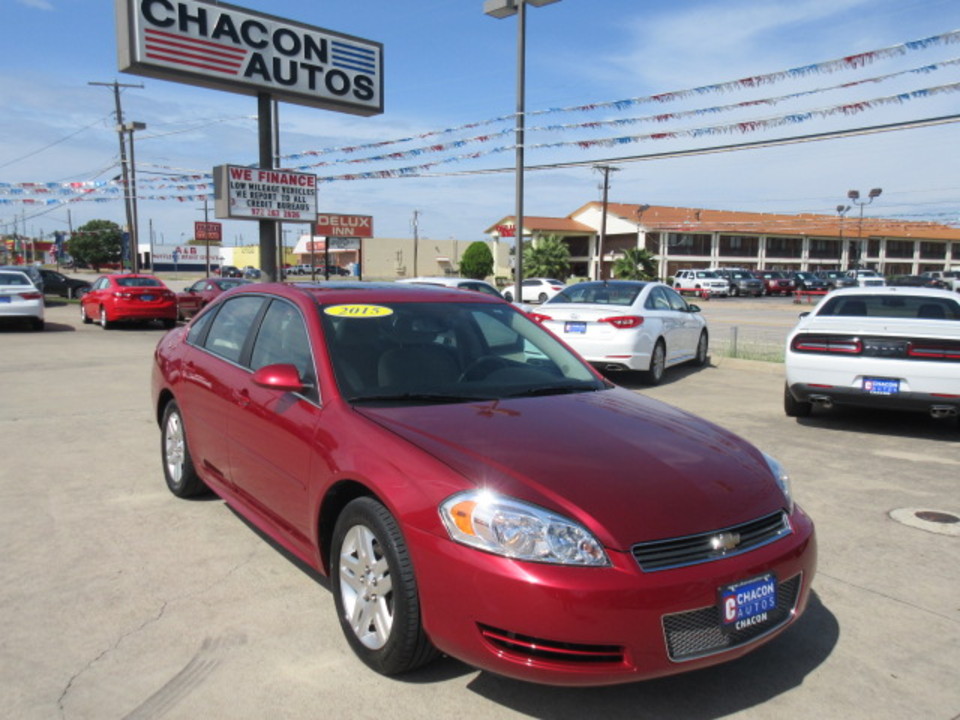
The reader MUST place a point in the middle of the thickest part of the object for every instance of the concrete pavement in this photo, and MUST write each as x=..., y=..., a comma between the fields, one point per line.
x=120, y=601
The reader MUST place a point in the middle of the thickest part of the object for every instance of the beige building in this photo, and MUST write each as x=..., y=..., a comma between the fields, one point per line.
x=697, y=238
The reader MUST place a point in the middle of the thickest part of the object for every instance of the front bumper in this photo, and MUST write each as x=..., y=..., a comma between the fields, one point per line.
x=593, y=626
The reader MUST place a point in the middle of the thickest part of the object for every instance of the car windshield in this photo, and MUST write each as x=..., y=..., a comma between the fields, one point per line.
x=738, y=275
x=599, y=293
x=914, y=307
x=428, y=353
x=138, y=282
x=706, y=274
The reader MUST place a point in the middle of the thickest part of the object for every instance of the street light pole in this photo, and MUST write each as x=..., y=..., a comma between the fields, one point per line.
x=502, y=9
x=854, y=196
x=842, y=210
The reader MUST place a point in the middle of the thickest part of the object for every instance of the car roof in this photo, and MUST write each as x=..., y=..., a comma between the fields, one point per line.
x=442, y=280
x=895, y=290
x=332, y=293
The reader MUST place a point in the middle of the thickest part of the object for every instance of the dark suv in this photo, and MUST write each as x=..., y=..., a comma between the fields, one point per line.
x=808, y=281
x=742, y=282
x=836, y=279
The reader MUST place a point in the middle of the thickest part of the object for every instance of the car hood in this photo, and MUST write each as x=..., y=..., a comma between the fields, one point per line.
x=630, y=468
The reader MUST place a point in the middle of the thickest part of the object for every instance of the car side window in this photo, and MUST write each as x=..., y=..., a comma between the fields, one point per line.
x=229, y=329
x=676, y=302
x=657, y=300
x=282, y=338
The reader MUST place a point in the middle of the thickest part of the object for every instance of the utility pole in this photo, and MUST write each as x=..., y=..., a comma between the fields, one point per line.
x=606, y=170
x=128, y=201
x=416, y=240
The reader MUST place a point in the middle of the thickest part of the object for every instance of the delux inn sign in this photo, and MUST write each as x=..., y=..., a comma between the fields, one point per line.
x=224, y=47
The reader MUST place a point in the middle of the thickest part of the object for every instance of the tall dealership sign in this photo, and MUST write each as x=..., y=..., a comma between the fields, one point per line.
x=224, y=47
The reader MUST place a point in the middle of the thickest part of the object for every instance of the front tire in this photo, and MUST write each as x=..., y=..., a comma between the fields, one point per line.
x=178, y=469
x=375, y=590
x=793, y=407
x=658, y=364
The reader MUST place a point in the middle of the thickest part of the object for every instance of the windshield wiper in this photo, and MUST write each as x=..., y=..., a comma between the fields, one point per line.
x=538, y=390
x=420, y=397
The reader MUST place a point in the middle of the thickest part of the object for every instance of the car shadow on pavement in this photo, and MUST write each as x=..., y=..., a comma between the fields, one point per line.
x=874, y=421
x=716, y=692
x=632, y=380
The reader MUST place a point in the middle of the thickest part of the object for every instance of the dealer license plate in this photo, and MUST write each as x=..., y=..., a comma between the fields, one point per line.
x=748, y=603
x=4, y=298
x=575, y=327
x=147, y=298
x=881, y=386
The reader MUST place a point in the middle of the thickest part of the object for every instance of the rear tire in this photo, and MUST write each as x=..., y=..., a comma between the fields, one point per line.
x=658, y=365
x=104, y=323
x=375, y=590
x=793, y=407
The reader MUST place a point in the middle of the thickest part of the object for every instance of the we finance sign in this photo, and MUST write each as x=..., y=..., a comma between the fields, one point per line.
x=246, y=193
x=221, y=46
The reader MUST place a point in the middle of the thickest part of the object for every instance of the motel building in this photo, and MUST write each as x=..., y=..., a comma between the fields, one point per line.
x=696, y=238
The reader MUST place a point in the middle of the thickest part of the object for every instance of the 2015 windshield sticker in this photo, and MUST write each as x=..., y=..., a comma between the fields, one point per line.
x=358, y=311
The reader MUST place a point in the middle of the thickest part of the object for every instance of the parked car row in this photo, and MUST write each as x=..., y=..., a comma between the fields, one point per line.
x=739, y=281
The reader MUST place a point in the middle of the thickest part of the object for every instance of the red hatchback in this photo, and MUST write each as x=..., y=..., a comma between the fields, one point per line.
x=472, y=487
x=128, y=297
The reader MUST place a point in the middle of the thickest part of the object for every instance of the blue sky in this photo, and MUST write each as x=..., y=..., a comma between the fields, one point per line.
x=447, y=65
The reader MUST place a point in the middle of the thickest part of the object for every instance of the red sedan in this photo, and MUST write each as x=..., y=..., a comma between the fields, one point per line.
x=128, y=297
x=472, y=487
x=198, y=295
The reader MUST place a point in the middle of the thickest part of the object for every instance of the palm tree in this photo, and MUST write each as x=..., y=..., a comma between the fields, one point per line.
x=549, y=257
x=635, y=264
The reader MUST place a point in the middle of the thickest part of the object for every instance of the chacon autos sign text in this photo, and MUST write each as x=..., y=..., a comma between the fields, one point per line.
x=225, y=47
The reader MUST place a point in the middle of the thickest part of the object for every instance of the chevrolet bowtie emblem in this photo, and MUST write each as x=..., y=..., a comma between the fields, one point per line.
x=725, y=541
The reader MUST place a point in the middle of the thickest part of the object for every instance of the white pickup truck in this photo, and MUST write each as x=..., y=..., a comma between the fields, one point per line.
x=951, y=278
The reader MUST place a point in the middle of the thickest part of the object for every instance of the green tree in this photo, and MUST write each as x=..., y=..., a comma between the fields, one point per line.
x=635, y=264
x=96, y=243
x=477, y=261
x=548, y=257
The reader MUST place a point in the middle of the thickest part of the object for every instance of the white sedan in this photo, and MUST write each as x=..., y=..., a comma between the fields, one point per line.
x=627, y=325
x=886, y=347
x=20, y=298
x=537, y=290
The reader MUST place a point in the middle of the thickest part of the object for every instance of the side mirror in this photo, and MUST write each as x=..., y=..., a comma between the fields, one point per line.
x=803, y=314
x=283, y=377
x=693, y=308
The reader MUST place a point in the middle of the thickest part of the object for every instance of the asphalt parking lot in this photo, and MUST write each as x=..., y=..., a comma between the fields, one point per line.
x=120, y=601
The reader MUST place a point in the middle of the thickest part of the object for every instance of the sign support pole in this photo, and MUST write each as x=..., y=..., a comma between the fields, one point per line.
x=266, y=120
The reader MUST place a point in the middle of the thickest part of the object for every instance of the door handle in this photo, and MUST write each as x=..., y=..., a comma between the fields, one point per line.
x=241, y=398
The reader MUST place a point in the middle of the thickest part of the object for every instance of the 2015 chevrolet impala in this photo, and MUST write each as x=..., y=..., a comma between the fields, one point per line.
x=471, y=486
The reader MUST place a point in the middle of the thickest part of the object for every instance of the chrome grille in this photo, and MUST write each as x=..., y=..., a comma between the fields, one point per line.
x=713, y=545
x=697, y=633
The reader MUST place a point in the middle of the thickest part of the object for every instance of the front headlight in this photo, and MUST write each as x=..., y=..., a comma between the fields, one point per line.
x=517, y=529
x=782, y=478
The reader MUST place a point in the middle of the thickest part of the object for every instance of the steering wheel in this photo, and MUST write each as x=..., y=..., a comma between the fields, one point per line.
x=482, y=366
